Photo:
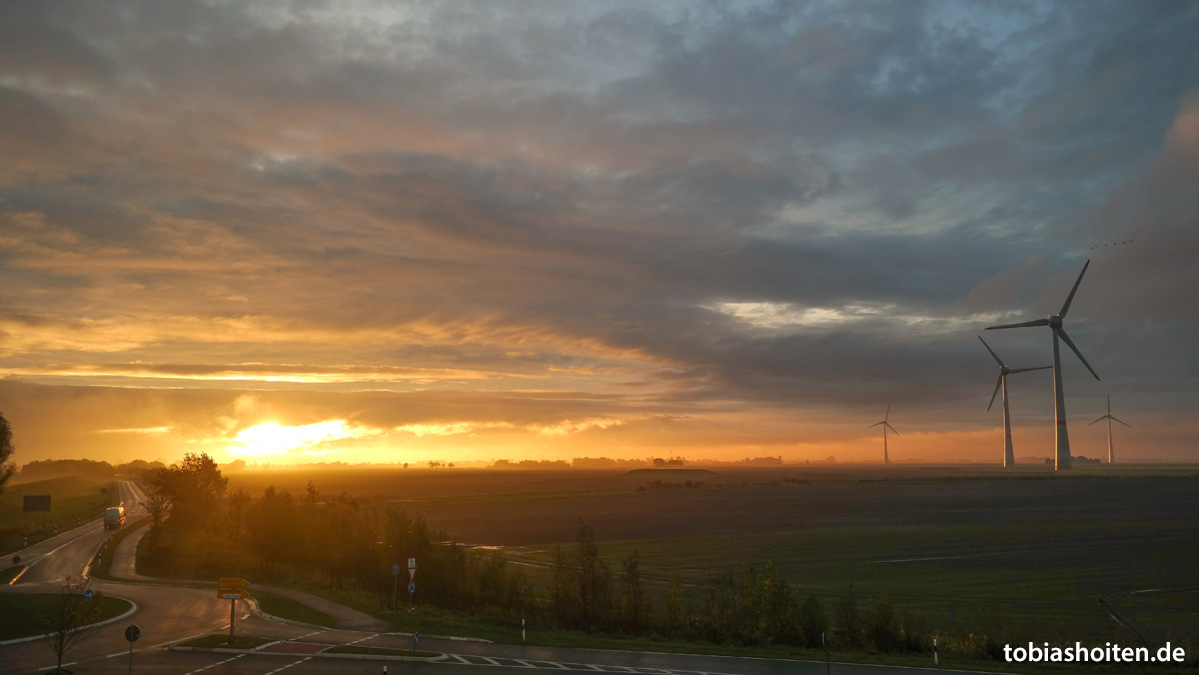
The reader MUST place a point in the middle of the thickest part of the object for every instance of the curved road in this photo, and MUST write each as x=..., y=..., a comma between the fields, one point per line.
x=167, y=614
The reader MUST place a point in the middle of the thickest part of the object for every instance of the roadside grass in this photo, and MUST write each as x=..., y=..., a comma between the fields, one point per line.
x=102, y=561
x=22, y=614
x=381, y=651
x=7, y=575
x=286, y=608
x=73, y=501
x=222, y=641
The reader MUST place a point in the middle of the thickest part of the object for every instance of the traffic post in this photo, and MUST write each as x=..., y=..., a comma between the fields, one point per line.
x=522, y=631
x=132, y=633
x=232, y=589
x=412, y=583
x=395, y=581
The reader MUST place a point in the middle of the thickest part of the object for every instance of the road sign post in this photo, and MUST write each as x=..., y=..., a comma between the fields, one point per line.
x=132, y=633
x=232, y=589
x=412, y=583
x=522, y=630
x=395, y=581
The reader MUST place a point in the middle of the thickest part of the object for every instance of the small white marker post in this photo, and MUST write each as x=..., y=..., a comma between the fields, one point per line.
x=827, y=667
x=522, y=630
x=936, y=660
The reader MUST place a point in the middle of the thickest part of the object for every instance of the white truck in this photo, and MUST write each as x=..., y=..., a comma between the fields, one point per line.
x=114, y=517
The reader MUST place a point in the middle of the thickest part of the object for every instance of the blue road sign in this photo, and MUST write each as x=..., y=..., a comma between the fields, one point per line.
x=395, y=570
x=87, y=595
x=411, y=587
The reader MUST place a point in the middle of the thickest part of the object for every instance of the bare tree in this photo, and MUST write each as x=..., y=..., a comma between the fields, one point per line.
x=71, y=618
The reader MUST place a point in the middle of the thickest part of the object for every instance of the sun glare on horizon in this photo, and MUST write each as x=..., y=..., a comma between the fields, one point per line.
x=271, y=439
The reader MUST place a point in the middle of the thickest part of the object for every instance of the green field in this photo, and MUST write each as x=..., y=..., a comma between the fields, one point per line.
x=21, y=614
x=73, y=501
x=286, y=608
x=1025, y=554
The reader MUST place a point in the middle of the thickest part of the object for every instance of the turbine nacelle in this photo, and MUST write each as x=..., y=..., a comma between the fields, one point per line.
x=1055, y=321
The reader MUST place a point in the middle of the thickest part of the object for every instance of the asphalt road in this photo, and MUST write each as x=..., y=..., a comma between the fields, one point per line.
x=167, y=614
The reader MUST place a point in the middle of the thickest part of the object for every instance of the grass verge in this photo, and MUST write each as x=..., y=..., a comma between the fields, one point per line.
x=286, y=608
x=7, y=575
x=222, y=642
x=102, y=561
x=381, y=651
x=22, y=614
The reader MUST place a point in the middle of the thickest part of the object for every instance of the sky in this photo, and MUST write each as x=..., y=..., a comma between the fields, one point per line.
x=395, y=232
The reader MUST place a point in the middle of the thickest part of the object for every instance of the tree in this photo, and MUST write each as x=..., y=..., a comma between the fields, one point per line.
x=71, y=618
x=192, y=489
x=7, y=465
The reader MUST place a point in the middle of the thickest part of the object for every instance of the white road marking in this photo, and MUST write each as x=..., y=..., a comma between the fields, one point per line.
x=289, y=665
x=53, y=667
x=213, y=665
x=462, y=659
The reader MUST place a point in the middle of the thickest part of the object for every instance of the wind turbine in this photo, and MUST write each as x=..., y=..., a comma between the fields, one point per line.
x=886, y=425
x=1009, y=458
x=1055, y=324
x=1110, y=457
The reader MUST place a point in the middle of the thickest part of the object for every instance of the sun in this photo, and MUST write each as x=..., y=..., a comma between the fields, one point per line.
x=271, y=439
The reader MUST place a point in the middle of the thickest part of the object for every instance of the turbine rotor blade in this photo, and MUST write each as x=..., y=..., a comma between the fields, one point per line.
x=996, y=356
x=1098, y=420
x=1038, y=322
x=1124, y=423
x=1070, y=343
x=891, y=428
x=996, y=392
x=1070, y=298
x=874, y=425
x=888, y=415
x=1025, y=370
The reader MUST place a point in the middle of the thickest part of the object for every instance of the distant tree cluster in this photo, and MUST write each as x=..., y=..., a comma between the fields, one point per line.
x=761, y=461
x=530, y=464
x=607, y=463
x=673, y=461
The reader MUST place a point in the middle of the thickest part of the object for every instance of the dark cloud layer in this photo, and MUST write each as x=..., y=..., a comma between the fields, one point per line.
x=778, y=211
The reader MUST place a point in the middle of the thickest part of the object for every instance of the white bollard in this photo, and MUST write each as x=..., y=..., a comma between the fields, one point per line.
x=936, y=660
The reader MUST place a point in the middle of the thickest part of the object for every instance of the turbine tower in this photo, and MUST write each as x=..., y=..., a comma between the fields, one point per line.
x=886, y=425
x=1009, y=458
x=1059, y=333
x=1110, y=457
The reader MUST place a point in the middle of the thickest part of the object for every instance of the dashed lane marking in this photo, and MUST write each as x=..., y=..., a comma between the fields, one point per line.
x=213, y=665
x=293, y=663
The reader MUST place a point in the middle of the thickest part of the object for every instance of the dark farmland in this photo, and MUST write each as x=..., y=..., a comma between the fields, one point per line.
x=1027, y=554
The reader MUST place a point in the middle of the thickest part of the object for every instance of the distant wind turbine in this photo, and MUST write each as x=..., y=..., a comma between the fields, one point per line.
x=886, y=425
x=1055, y=324
x=1009, y=458
x=1111, y=458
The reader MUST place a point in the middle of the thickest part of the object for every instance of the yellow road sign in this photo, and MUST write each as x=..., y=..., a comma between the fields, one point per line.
x=232, y=582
